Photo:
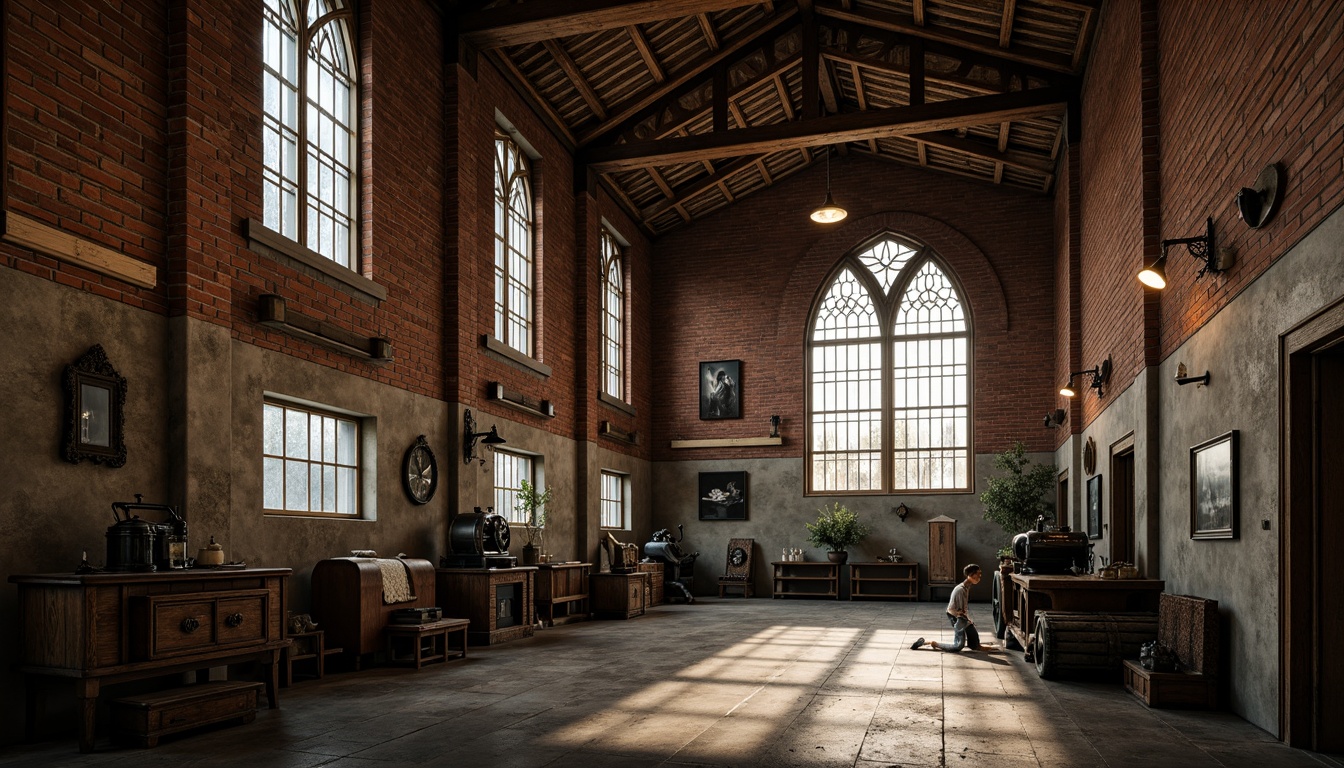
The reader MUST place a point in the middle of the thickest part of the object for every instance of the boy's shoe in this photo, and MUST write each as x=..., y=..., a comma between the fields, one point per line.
x=915, y=646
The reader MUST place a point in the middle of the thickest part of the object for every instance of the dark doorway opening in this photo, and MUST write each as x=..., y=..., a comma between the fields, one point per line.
x=1122, y=501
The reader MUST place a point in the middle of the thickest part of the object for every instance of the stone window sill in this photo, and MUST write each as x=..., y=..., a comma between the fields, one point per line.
x=272, y=244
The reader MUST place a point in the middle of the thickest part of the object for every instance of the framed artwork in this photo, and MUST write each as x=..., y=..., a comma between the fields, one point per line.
x=723, y=496
x=1214, y=488
x=721, y=389
x=1094, y=507
x=95, y=397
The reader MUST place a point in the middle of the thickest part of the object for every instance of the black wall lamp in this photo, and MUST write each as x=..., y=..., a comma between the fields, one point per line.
x=1256, y=205
x=1100, y=375
x=902, y=511
x=470, y=436
x=1183, y=378
x=774, y=426
x=1202, y=247
x=1055, y=419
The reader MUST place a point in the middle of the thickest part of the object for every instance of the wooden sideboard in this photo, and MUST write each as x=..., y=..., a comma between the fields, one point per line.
x=802, y=579
x=106, y=628
x=884, y=581
x=620, y=595
x=500, y=602
x=562, y=592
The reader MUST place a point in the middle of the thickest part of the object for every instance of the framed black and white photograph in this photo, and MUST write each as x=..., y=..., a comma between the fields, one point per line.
x=723, y=496
x=1094, y=507
x=721, y=389
x=1214, y=491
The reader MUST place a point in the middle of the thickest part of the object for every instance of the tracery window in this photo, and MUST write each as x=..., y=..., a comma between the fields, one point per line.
x=613, y=318
x=513, y=245
x=310, y=120
x=889, y=375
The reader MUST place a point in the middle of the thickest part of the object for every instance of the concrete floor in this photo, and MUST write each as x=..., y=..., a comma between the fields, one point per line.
x=719, y=683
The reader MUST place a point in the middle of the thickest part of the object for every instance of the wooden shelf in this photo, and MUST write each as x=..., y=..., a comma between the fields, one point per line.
x=800, y=579
x=728, y=442
x=884, y=581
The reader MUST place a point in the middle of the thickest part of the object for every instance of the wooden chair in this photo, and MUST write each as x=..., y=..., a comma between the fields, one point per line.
x=1189, y=626
x=738, y=572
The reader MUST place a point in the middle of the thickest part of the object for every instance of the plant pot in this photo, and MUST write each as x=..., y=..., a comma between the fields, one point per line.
x=837, y=557
x=531, y=554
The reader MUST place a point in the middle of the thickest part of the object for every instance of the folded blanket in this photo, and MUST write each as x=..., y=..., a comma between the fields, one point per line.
x=396, y=581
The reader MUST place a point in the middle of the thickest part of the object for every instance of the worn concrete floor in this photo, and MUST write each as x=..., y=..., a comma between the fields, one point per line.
x=719, y=683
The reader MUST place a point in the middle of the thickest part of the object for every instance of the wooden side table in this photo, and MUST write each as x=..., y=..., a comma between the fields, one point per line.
x=803, y=579
x=619, y=595
x=884, y=581
x=305, y=646
x=421, y=644
x=562, y=592
x=500, y=602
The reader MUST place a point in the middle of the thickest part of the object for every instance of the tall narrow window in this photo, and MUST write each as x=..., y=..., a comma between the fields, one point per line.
x=513, y=245
x=511, y=469
x=310, y=461
x=613, y=501
x=613, y=318
x=889, y=371
x=310, y=118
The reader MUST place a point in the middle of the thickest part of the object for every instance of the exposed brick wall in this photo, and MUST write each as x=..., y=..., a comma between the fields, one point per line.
x=740, y=285
x=1068, y=293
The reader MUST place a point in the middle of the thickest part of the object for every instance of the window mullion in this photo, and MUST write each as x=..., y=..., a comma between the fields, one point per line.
x=305, y=39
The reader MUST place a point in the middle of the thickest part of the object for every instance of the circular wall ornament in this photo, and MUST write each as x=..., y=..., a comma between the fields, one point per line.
x=738, y=557
x=420, y=472
x=1090, y=456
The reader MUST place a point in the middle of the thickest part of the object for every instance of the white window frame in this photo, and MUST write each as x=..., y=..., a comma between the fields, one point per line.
x=848, y=433
x=510, y=469
x=515, y=242
x=310, y=126
x=613, y=316
x=615, y=501
x=338, y=474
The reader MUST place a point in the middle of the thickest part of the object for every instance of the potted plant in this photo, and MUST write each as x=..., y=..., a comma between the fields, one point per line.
x=533, y=506
x=1016, y=499
x=836, y=529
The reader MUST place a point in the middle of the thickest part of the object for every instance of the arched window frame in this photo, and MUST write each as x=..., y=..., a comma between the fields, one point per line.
x=886, y=307
x=613, y=316
x=310, y=126
x=515, y=233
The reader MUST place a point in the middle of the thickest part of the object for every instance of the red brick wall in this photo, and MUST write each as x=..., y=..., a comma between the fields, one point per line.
x=740, y=284
x=1068, y=294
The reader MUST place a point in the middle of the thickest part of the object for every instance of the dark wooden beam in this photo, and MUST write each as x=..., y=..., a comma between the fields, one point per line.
x=1023, y=160
x=916, y=72
x=833, y=129
x=535, y=100
x=720, y=99
x=707, y=29
x=646, y=53
x=811, y=64
x=700, y=185
x=536, y=21
x=1006, y=23
x=576, y=77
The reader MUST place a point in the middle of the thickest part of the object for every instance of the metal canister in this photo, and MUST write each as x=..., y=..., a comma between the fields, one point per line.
x=130, y=545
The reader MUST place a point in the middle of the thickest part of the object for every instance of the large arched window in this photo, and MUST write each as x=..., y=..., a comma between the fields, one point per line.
x=889, y=357
x=310, y=118
x=513, y=245
x=613, y=318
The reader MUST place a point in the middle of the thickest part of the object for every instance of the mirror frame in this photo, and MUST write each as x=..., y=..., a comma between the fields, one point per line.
x=94, y=370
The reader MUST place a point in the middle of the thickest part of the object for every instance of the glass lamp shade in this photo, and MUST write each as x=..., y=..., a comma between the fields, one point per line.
x=829, y=212
x=1067, y=390
x=1155, y=275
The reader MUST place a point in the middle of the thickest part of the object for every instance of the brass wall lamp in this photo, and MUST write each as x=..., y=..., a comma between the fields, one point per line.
x=470, y=436
x=1100, y=375
x=1202, y=247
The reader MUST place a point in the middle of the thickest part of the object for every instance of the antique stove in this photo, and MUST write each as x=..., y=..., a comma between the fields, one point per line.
x=478, y=540
x=678, y=567
x=1060, y=551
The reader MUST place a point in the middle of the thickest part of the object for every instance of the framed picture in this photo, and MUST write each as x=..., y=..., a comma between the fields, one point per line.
x=1094, y=507
x=95, y=396
x=1214, y=488
x=723, y=496
x=721, y=389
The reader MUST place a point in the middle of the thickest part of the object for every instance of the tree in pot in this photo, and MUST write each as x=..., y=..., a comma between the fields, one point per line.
x=836, y=529
x=532, y=505
x=1016, y=499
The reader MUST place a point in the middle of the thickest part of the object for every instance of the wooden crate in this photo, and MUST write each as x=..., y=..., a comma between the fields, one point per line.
x=144, y=719
x=619, y=595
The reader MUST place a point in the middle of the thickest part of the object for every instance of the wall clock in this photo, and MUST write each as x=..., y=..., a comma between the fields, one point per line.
x=1089, y=456
x=420, y=472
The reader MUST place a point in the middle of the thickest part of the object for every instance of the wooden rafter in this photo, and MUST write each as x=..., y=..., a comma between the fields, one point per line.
x=1004, y=128
x=832, y=129
x=683, y=117
x=530, y=95
x=519, y=24
x=1006, y=23
x=862, y=96
x=707, y=29
x=882, y=65
x=646, y=53
x=576, y=77
x=1023, y=160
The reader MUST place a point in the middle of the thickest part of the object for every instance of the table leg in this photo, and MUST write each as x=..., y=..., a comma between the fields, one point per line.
x=88, y=695
x=273, y=681
x=34, y=709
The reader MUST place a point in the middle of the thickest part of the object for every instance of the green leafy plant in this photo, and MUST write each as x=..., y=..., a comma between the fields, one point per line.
x=533, y=507
x=1015, y=499
x=836, y=528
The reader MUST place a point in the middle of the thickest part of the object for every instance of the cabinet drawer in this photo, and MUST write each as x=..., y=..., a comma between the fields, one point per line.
x=241, y=619
x=164, y=626
x=180, y=626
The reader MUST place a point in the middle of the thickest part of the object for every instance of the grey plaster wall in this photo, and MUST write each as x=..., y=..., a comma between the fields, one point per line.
x=778, y=511
x=640, y=525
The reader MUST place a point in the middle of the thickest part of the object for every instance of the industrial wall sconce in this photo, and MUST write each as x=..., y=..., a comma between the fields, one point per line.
x=1055, y=419
x=902, y=511
x=1202, y=247
x=1256, y=205
x=829, y=212
x=774, y=426
x=1100, y=375
x=470, y=436
x=1183, y=378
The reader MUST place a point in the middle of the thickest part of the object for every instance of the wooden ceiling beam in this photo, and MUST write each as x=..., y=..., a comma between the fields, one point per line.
x=636, y=107
x=904, y=24
x=535, y=100
x=683, y=117
x=707, y=29
x=862, y=96
x=576, y=77
x=882, y=65
x=519, y=24
x=646, y=53
x=832, y=129
x=1023, y=160
x=917, y=12
x=1006, y=23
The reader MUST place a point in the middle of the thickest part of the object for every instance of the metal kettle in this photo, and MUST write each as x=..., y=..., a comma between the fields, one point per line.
x=139, y=545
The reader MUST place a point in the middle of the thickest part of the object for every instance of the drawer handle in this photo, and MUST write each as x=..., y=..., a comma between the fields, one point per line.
x=189, y=625
x=234, y=621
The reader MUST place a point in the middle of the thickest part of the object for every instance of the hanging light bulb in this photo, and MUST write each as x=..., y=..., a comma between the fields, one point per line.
x=829, y=212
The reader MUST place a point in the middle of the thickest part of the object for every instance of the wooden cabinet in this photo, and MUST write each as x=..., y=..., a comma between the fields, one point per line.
x=114, y=627
x=348, y=601
x=656, y=576
x=500, y=602
x=797, y=579
x=619, y=595
x=884, y=581
x=943, y=552
x=562, y=592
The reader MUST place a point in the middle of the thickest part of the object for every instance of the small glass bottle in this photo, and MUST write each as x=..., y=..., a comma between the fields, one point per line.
x=177, y=545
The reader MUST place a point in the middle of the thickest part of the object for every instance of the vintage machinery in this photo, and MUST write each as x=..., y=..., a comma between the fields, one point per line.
x=478, y=540
x=139, y=545
x=678, y=567
x=1042, y=551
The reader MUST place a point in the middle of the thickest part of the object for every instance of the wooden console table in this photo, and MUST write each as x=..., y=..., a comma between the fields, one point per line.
x=500, y=602
x=884, y=581
x=106, y=628
x=1087, y=593
x=800, y=579
x=562, y=592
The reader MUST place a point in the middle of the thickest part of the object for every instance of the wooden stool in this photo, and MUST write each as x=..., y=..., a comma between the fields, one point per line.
x=428, y=642
x=306, y=646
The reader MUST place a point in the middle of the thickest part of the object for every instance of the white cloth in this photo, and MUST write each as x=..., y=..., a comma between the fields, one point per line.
x=959, y=602
x=396, y=581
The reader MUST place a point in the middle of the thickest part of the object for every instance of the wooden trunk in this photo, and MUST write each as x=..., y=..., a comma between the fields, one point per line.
x=1086, y=644
x=348, y=601
x=619, y=595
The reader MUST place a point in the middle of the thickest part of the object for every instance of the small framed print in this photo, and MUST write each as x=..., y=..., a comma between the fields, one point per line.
x=721, y=390
x=723, y=495
x=1214, y=488
x=1094, y=507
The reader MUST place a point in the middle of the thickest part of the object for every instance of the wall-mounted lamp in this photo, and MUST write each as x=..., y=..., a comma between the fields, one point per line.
x=470, y=436
x=1100, y=375
x=1256, y=205
x=902, y=511
x=1201, y=247
x=774, y=426
x=1055, y=419
x=1183, y=378
x=829, y=212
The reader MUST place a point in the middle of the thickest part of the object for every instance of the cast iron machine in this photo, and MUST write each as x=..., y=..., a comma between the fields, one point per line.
x=678, y=567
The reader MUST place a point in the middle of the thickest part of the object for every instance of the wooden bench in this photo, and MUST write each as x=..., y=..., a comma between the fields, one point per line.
x=147, y=717
x=1189, y=627
x=421, y=644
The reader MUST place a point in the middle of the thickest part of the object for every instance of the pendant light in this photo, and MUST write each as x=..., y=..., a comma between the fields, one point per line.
x=829, y=212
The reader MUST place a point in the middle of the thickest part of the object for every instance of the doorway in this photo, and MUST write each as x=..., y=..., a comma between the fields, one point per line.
x=1312, y=611
x=1122, y=501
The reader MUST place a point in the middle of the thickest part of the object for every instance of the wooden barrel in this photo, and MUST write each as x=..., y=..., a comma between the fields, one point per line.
x=1089, y=644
